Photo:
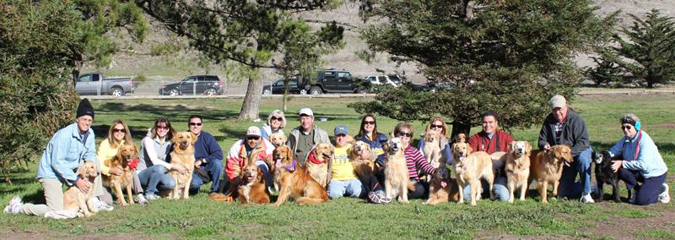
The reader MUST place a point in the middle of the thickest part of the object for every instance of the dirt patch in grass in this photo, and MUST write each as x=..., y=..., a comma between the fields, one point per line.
x=619, y=227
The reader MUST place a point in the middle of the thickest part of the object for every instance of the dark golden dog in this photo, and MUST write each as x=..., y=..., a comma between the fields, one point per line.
x=518, y=168
x=183, y=153
x=546, y=168
x=74, y=199
x=361, y=157
x=125, y=155
x=442, y=188
x=252, y=188
x=319, y=161
x=294, y=180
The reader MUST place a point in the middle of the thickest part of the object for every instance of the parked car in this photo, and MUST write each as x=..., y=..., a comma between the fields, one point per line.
x=198, y=84
x=334, y=81
x=391, y=80
x=278, y=87
x=96, y=84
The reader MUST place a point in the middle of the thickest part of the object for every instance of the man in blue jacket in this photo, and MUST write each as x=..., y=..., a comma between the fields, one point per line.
x=208, y=159
x=70, y=147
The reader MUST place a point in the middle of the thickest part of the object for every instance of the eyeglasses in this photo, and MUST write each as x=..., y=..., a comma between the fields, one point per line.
x=436, y=126
x=368, y=122
x=276, y=118
x=117, y=130
x=161, y=127
x=401, y=134
x=253, y=137
x=195, y=124
x=629, y=127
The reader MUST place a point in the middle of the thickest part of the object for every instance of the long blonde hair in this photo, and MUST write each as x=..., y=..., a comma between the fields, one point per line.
x=111, y=138
x=445, y=127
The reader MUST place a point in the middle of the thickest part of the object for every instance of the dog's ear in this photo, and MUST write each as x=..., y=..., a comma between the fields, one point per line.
x=259, y=177
x=529, y=148
x=512, y=147
x=175, y=138
x=289, y=154
x=194, y=139
x=385, y=146
x=469, y=150
x=81, y=170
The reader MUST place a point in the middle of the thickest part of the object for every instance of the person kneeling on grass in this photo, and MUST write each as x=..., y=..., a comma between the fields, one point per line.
x=642, y=163
x=344, y=181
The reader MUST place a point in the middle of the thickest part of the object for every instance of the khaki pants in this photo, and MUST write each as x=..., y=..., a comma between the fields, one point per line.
x=54, y=197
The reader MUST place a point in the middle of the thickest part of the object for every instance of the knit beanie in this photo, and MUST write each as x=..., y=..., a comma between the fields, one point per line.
x=85, y=108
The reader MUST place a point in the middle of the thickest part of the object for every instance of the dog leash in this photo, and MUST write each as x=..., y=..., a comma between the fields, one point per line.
x=637, y=146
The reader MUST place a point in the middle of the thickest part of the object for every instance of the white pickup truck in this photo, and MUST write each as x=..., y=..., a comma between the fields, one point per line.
x=95, y=84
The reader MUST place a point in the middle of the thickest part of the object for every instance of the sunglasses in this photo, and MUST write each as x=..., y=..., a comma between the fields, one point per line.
x=436, y=126
x=369, y=123
x=626, y=127
x=117, y=130
x=276, y=118
x=195, y=124
x=253, y=137
x=401, y=134
x=161, y=127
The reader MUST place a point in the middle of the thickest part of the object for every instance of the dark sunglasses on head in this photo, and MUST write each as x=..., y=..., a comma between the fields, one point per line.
x=195, y=124
x=368, y=122
x=401, y=134
x=116, y=130
x=626, y=127
x=276, y=118
x=436, y=126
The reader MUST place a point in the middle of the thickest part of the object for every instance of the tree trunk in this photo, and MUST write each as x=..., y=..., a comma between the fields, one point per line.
x=251, y=105
x=458, y=128
x=285, y=98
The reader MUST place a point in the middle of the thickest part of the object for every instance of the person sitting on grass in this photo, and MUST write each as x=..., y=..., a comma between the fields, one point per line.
x=154, y=167
x=208, y=160
x=343, y=181
x=642, y=163
x=238, y=158
x=303, y=138
x=368, y=133
x=414, y=160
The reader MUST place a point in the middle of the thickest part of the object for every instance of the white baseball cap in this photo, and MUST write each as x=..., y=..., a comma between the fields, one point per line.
x=253, y=131
x=306, y=111
x=558, y=101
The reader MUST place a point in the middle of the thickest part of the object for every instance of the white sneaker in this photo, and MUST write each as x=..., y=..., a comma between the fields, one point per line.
x=101, y=205
x=141, y=199
x=14, y=205
x=587, y=198
x=664, y=197
x=151, y=196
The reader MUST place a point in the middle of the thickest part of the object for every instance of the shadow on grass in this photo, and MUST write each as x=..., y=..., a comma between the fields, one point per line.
x=176, y=111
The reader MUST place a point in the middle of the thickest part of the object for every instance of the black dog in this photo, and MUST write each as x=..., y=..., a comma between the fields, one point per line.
x=605, y=174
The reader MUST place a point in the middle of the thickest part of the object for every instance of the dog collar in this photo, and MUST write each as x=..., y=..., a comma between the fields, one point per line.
x=312, y=158
x=290, y=168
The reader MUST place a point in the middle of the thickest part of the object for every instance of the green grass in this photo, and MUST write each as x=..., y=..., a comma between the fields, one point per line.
x=351, y=218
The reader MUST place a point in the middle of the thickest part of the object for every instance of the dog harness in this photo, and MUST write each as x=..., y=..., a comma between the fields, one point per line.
x=290, y=168
x=637, y=146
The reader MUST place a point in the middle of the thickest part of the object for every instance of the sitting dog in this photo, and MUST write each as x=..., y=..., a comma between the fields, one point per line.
x=396, y=178
x=518, y=168
x=470, y=168
x=546, y=168
x=460, y=138
x=125, y=155
x=361, y=157
x=278, y=139
x=605, y=174
x=432, y=149
x=294, y=180
x=319, y=162
x=183, y=152
x=442, y=188
x=252, y=188
x=74, y=199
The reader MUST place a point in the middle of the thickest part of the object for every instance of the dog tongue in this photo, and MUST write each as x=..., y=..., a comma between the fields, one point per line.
x=443, y=184
x=278, y=164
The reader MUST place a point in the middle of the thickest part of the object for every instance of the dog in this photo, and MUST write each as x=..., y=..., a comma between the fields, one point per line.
x=471, y=167
x=605, y=174
x=432, y=149
x=546, y=168
x=253, y=188
x=294, y=180
x=518, y=168
x=396, y=178
x=442, y=188
x=362, y=159
x=123, y=159
x=183, y=152
x=319, y=161
x=74, y=199
x=278, y=139
x=460, y=138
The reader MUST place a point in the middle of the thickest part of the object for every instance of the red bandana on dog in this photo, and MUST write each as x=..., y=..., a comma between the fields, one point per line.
x=134, y=163
x=313, y=158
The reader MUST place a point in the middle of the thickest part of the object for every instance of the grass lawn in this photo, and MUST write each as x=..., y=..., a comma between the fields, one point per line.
x=353, y=218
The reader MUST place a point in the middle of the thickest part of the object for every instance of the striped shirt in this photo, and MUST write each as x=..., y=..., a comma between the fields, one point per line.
x=414, y=160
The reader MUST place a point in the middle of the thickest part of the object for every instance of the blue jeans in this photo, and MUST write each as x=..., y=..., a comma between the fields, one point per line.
x=498, y=187
x=646, y=193
x=215, y=171
x=351, y=188
x=154, y=178
x=569, y=187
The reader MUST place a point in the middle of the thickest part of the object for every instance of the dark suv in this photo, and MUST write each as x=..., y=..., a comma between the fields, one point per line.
x=192, y=85
x=334, y=81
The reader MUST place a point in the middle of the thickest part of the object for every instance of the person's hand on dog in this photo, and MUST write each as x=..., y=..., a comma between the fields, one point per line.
x=616, y=165
x=83, y=185
x=179, y=167
x=198, y=163
x=547, y=147
x=117, y=171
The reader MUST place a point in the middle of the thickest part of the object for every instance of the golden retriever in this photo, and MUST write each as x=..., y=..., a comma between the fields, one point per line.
x=74, y=199
x=442, y=188
x=460, y=138
x=319, y=161
x=294, y=180
x=125, y=155
x=546, y=168
x=396, y=177
x=252, y=188
x=470, y=168
x=362, y=159
x=518, y=168
x=432, y=149
x=278, y=139
x=183, y=152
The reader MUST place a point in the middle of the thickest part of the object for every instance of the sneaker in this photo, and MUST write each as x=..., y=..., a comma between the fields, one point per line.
x=101, y=205
x=632, y=198
x=141, y=199
x=378, y=197
x=587, y=198
x=151, y=196
x=14, y=205
x=664, y=197
x=219, y=197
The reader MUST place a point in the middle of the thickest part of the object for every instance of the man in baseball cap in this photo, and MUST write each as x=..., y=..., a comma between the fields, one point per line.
x=303, y=138
x=241, y=154
x=565, y=127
